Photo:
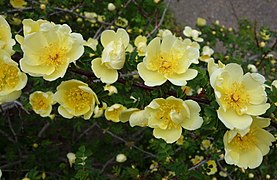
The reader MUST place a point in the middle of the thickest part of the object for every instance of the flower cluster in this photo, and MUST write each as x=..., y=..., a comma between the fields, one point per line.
x=241, y=98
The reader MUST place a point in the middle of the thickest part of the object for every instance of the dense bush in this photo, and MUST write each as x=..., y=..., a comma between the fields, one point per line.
x=129, y=94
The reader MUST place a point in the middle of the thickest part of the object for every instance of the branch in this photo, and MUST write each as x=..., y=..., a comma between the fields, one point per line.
x=161, y=20
x=198, y=165
x=43, y=129
x=85, y=132
x=126, y=142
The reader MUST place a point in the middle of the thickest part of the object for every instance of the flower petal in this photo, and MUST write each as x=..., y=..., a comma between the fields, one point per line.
x=151, y=78
x=181, y=79
x=169, y=135
x=105, y=74
x=194, y=121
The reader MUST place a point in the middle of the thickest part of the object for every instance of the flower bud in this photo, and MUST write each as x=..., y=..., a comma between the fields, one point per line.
x=121, y=158
x=111, y=7
x=71, y=158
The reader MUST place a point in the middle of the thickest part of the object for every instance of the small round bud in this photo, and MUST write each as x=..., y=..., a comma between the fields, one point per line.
x=121, y=158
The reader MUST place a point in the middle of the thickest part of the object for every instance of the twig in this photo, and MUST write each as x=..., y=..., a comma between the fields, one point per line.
x=161, y=20
x=106, y=164
x=19, y=10
x=10, y=164
x=85, y=132
x=11, y=128
x=198, y=165
x=43, y=129
x=7, y=136
x=126, y=142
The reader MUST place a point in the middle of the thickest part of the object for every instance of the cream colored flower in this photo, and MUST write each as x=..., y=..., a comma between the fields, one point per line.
x=274, y=83
x=49, y=51
x=121, y=22
x=168, y=60
x=6, y=41
x=75, y=99
x=113, y=55
x=99, y=111
x=239, y=96
x=42, y=102
x=113, y=112
x=252, y=68
x=71, y=158
x=121, y=158
x=12, y=80
x=92, y=43
x=246, y=148
x=168, y=117
x=194, y=34
x=197, y=159
x=212, y=167
x=206, y=54
x=140, y=43
x=112, y=89
x=187, y=90
x=164, y=32
x=135, y=117
x=111, y=7
x=18, y=4
x=91, y=16
x=201, y=22
x=206, y=144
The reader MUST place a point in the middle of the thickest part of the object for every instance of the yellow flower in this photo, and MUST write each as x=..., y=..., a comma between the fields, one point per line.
x=75, y=99
x=99, y=111
x=164, y=32
x=12, y=80
x=201, y=22
x=42, y=102
x=197, y=159
x=113, y=112
x=111, y=7
x=49, y=49
x=90, y=16
x=140, y=43
x=246, y=148
x=169, y=116
x=206, y=54
x=169, y=60
x=135, y=117
x=6, y=41
x=112, y=89
x=206, y=144
x=121, y=22
x=113, y=55
x=19, y=4
x=212, y=167
x=121, y=158
x=239, y=96
x=71, y=158
x=194, y=34
x=92, y=43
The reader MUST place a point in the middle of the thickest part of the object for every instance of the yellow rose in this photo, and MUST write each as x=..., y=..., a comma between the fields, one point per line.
x=42, y=102
x=113, y=112
x=246, y=148
x=197, y=159
x=169, y=116
x=113, y=55
x=239, y=96
x=75, y=99
x=194, y=34
x=49, y=51
x=169, y=60
x=121, y=22
x=212, y=167
x=6, y=41
x=206, y=54
x=140, y=43
x=12, y=80
x=19, y=4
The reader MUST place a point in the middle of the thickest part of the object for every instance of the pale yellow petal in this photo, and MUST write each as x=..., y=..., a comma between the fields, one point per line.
x=167, y=43
x=106, y=75
x=10, y=97
x=232, y=120
x=125, y=115
x=35, y=70
x=264, y=140
x=106, y=37
x=151, y=78
x=256, y=110
x=194, y=121
x=77, y=48
x=181, y=79
x=58, y=73
x=138, y=118
x=122, y=35
x=250, y=159
x=62, y=111
x=153, y=51
x=169, y=135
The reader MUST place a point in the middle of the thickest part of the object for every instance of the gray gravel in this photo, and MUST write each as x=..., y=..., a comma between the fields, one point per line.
x=264, y=12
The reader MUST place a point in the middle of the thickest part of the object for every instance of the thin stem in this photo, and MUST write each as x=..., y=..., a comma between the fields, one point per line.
x=85, y=132
x=106, y=164
x=198, y=165
x=43, y=129
x=126, y=142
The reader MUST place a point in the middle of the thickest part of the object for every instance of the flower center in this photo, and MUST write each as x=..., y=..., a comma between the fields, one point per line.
x=8, y=76
x=54, y=55
x=79, y=99
x=245, y=142
x=164, y=115
x=39, y=102
x=236, y=98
